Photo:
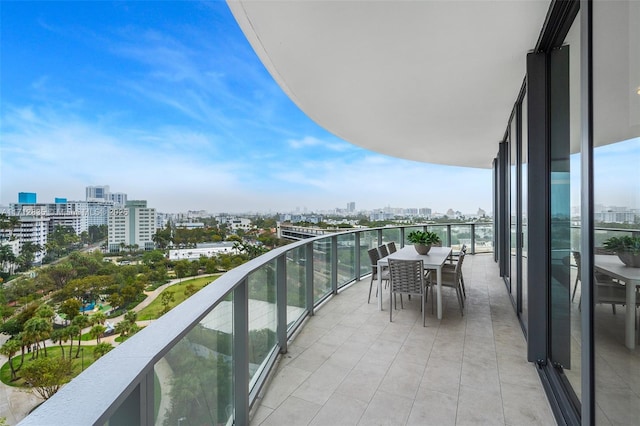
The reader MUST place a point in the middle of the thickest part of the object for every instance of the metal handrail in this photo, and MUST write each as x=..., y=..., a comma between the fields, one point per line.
x=124, y=377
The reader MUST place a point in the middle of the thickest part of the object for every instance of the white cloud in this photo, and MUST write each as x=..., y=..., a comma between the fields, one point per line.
x=310, y=141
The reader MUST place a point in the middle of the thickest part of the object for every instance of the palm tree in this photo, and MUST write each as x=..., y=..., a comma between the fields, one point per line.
x=98, y=318
x=7, y=258
x=80, y=321
x=60, y=336
x=97, y=331
x=101, y=349
x=9, y=349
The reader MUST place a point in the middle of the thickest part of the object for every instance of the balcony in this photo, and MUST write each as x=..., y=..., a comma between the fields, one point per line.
x=350, y=365
x=288, y=338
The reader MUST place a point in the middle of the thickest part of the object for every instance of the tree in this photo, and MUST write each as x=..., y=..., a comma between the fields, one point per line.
x=181, y=268
x=9, y=349
x=80, y=321
x=60, y=336
x=28, y=254
x=97, y=331
x=190, y=290
x=97, y=233
x=166, y=298
x=38, y=329
x=70, y=308
x=250, y=250
x=131, y=316
x=101, y=349
x=61, y=273
x=84, y=237
x=7, y=258
x=98, y=318
x=47, y=375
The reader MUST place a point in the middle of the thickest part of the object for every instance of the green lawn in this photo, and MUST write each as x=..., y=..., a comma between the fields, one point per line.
x=84, y=360
x=153, y=311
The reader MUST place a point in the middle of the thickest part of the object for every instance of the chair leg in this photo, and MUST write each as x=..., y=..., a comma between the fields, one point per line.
x=370, y=287
x=464, y=292
x=459, y=295
x=391, y=297
x=613, y=308
x=575, y=287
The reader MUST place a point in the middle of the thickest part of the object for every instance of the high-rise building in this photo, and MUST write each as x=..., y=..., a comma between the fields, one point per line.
x=73, y=214
x=97, y=193
x=119, y=199
x=33, y=228
x=351, y=206
x=133, y=225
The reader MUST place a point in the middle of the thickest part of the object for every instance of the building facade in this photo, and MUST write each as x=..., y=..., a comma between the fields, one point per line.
x=133, y=225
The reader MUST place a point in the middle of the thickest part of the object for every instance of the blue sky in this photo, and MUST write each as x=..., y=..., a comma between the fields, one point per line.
x=166, y=101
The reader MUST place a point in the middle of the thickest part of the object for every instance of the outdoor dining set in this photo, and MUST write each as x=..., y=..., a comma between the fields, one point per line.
x=408, y=272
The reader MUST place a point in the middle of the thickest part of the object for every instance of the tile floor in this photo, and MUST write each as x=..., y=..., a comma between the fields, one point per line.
x=350, y=366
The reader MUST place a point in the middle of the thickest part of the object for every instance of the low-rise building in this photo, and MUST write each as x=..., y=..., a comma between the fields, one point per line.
x=203, y=249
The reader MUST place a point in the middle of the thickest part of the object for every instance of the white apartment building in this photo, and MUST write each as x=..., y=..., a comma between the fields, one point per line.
x=33, y=228
x=135, y=224
x=74, y=214
x=235, y=222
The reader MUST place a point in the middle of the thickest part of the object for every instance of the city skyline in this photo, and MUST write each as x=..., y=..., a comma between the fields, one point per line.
x=168, y=102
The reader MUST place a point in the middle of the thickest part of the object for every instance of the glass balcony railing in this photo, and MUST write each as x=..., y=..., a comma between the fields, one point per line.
x=205, y=361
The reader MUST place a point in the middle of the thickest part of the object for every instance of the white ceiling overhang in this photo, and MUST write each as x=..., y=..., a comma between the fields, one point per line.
x=431, y=81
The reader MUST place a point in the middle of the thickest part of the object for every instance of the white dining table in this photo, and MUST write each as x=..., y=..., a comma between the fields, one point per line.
x=436, y=257
x=613, y=266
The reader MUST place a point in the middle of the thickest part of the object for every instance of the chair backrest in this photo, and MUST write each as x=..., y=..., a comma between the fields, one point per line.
x=374, y=257
x=608, y=291
x=383, y=251
x=392, y=247
x=577, y=259
x=463, y=249
x=406, y=276
x=459, y=265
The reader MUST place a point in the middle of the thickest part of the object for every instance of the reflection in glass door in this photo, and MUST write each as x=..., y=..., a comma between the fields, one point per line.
x=564, y=326
x=513, y=209
x=523, y=216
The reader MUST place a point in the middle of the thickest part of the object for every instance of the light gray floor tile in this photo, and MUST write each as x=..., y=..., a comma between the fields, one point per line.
x=403, y=379
x=321, y=384
x=524, y=405
x=340, y=410
x=433, y=408
x=479, y=407
x=293, y=411
x=386, y=409
x=283, y=384
x=361, y=384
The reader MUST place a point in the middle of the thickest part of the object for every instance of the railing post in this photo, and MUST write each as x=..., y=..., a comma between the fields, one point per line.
x=449, y=242
x=334, y=264
x=402, y=236
x=281, y=302
x=473, y=238
x=357, y=255
x=309, y=281
x=379, y=237
x=147, y=397
x=241, y=353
